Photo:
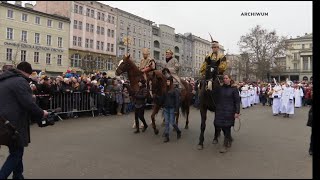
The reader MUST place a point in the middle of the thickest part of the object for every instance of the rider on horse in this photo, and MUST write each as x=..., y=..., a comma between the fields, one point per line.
x=147, y=64
x=214, y=64
x=172, y=64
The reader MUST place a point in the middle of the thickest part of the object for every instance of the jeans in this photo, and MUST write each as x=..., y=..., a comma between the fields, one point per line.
x=169, y=119
x=13, y=164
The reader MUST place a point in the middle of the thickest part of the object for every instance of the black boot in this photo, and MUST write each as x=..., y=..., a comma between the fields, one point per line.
x=136, y=131
x=178, y=131
x=166, y=138
x=144, y=128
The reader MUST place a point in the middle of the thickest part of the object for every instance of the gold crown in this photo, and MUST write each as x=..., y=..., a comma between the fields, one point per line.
x=169, y=51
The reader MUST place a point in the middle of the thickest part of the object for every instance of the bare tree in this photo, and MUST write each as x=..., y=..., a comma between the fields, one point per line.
x=262, y=47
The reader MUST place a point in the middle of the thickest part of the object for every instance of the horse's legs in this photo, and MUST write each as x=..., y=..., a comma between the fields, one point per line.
x=154, y=112
x=203, y=112
x=187, y=114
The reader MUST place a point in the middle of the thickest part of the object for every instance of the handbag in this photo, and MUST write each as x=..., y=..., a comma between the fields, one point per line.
x=9, y=136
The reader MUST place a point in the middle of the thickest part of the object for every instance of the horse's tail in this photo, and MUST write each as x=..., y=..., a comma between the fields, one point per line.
x=185, y=105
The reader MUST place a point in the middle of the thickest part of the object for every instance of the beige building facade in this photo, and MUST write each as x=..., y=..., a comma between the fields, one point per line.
x=299, y=59
x=92, y=33
x=39, y=38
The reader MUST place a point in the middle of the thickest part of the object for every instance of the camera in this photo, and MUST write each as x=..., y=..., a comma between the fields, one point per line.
x=50, y=120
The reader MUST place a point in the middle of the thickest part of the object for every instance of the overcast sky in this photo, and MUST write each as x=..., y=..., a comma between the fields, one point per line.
x=223, y=19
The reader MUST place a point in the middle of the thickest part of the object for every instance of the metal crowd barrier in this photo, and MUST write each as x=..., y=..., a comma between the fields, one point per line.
x=75, y=102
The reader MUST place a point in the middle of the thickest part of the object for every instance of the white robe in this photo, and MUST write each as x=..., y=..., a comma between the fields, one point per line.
x=298, y=94
x=251, y=97
x=276, y=103
x=244, y=98
x=287, y=105
x=256, y=95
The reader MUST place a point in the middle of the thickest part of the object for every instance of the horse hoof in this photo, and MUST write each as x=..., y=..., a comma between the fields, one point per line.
x=200, y=147
x=186, y=127
x=156, y=131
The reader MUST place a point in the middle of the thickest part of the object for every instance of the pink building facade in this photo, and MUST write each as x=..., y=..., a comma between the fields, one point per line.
x=92, y=32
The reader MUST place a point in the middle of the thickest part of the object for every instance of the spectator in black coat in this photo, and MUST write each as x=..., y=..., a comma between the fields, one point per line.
x=140, y=103
x=17, y=106
x=227, y=110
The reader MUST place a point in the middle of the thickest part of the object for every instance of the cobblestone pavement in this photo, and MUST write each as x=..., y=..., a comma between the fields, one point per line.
x=105, y=147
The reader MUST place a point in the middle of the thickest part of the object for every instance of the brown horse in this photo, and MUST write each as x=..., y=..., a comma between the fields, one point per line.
x=158, y=87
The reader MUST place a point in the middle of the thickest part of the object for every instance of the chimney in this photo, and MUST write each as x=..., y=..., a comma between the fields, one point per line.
x=18, y=3
x=28, y=5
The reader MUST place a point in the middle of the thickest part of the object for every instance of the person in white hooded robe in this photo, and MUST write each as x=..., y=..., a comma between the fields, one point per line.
x=298, y=94
x=276, y=95
x=244, y=97
x=256, y=94
x=251, y=95
x=287, y=106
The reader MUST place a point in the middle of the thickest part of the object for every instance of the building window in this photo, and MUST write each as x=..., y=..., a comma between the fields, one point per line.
x=121, y=24
x=139, y=54
x=59, y=60
x=112, y=21
x=108, y=46
x=98, y=15
x=37, y=38
x=87, y=27
x=24, y=36
x=92, y=28
x=149, y=44
x=305, y=63
x=91, y=43
x=10, y=13
x=60, y=25
x=302, y=46
x=109, y=19
x=36, y=57
x=98, y=29
x=9, y=33
x=79, y=41
x=102, y=16
x=76, y=8
x=80, y=25
x=112, y=33
x=102, y=45
x=144, y=43
x=75, y=60
x=48, y=58
x=9, y=54
x=74, y=40
x=37, y=20
x=48, y=40
x=23, y=55
x=80, y=9
x=92, y=13
x=112, y=47
x=134, y=29
x=88, y=12
x=87, y=43
x=49, y=23
x=134, y=41
x=59, y=42
x=24, y=17
x=102, y=30
x=109, y=64
x=75, y=24
x=109, y=33
x=134, y=53
x=98, y=45
x=99, y=63
x=295, y=66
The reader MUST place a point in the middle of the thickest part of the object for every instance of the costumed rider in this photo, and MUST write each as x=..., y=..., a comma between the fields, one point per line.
x=215, y=64
x=172, y=65
x=147, y=64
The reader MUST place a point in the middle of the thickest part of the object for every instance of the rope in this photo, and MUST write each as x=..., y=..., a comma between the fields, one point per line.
x=239, y=126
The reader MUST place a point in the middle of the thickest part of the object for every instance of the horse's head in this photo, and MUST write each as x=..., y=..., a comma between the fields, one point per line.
x=123, y=66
